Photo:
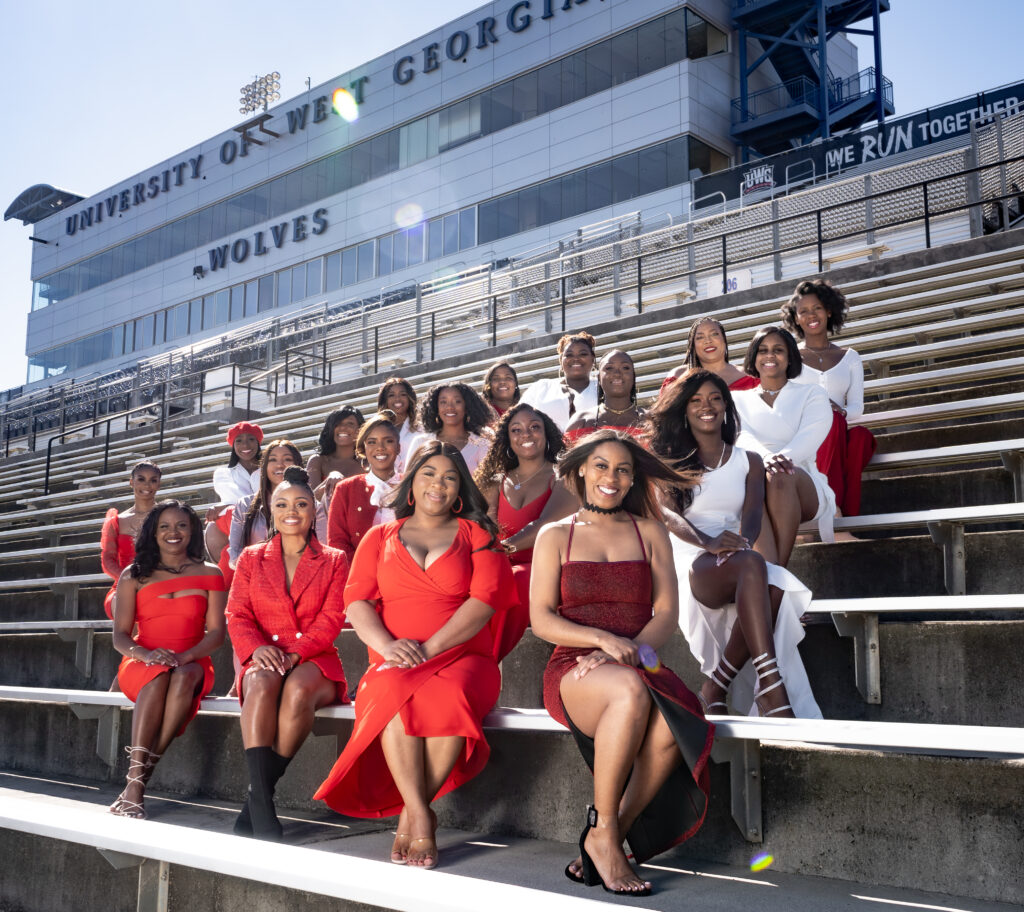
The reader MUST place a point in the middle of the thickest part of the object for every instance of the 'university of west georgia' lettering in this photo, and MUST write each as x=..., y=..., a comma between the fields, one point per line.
x=458, y=44
x=239, y=250
x=134, y=195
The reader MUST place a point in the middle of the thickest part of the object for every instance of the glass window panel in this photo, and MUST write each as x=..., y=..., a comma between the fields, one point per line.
x=117, y=343
x=348, y=266
x=467, y=228
x=205, y=225
x=624, y=57
x=237, y=303
x=384, y=255
x=218, y=221
x=191, y=229
x=487, y=222
x=574, y=194
x=676, y=159
x=435, y=235
x=704, y=159
x=399, y=252
x=574, y=77
x=525, y=96
x=342, y=171
x=160, y=327
x=308, y=192
x=332, y=280
x=415, y=244
x=366, y=261
x=143, y=332
x=675, y=36
x=650, y=39
x=314, y=276
x=599, y=186
x=259, y=204
x=195, y=315
x=550, y=201
x=293, y=190
x=651, y=169
x=209, y=312
x=451, y=234
x=624, y=179
x=503, y=112
x=529, y=208
x=508, y=215
x=284, y=287
x=180, y=321
x=549, y=87
x=599, y=67
x=177, y=238
x=222, y=312
x=252, y=296
x=299, y=282
x=360, y=163
x=266, y=293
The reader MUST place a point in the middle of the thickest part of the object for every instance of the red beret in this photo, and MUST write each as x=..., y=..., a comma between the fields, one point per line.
x=244, y=427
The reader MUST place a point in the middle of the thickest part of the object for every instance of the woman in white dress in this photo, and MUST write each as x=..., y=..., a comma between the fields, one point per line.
x=784, y=423
x=814, y=313
x=574, y=389
x=238, y=479
x=397, y=395
x=739, y=614
x=455, y=413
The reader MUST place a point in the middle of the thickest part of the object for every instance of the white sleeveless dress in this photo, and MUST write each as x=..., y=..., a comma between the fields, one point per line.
x=717, y=506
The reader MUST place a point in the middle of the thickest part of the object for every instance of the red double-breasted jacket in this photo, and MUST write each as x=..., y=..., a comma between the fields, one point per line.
x=351, y=514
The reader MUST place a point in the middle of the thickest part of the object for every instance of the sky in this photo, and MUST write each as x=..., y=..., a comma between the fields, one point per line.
x=99, y=90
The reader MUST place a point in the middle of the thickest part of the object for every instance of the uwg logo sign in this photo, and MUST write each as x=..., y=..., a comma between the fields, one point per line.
x=760, y=178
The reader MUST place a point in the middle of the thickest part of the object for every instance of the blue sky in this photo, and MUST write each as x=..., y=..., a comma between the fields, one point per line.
x=100, y=90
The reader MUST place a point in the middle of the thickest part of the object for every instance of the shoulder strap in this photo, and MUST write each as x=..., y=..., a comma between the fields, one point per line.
x=568, y=546
x=643, y=547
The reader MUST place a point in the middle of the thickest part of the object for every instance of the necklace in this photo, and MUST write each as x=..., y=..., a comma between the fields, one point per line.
x=176, y=571
x=721, y=456
x=522, y=481
x=768, y=392
x=817, y=352
x=612, y=411
x=604, y=511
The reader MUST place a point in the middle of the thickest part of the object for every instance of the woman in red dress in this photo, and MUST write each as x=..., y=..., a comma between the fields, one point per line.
x=358, y=502
x=517, y=478
x=420, y=595
x=616, y=400
x=177, y=601
x=117, y=537
x=501, y=387
x=604, y=591
x=285, y=610
x=708, y=348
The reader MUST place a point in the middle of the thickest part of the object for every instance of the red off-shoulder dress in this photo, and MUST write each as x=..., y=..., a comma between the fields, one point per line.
x=450, y=694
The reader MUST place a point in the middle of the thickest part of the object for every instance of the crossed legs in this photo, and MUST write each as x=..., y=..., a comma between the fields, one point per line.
x=789, y=500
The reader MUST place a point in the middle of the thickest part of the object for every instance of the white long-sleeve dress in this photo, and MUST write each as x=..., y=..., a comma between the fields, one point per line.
x=843, y=383
x=559, y=404
x=794, y=426
x=718, y=506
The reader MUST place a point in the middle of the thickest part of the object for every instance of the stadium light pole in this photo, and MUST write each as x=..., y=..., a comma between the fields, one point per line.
x=261, y=91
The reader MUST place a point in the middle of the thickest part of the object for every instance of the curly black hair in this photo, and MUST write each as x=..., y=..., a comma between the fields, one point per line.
x=489, y=374
x=382, y=398
x=669, y=433
x=473, y=507
x=831, y=297
x=147, y=551
x=795, y=363
x=501, y=459
x=648, y=468
x=581, y=336
x=478, y=413
x=692, y=359
x=326, y=445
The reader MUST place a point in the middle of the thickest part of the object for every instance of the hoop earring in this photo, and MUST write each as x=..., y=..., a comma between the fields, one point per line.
x=409, y=499
x=686, y=422
x=509, y=453
x=459, y=510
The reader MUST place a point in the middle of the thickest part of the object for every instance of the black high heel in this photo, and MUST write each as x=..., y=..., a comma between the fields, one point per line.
x=590, y=876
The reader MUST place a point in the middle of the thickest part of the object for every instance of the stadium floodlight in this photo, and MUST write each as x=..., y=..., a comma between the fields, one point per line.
x=259, y=93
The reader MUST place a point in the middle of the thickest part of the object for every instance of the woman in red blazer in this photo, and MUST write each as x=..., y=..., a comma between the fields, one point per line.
x=285, y=610
x=356, y=505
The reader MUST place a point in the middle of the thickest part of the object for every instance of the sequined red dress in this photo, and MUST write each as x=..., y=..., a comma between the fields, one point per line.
x=172, y=622
x=587, y=587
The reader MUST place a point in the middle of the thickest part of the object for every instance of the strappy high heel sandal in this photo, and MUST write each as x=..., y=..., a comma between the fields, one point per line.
x=722, y=675
x=590, y=875
x=767, y=667
x=123, y=807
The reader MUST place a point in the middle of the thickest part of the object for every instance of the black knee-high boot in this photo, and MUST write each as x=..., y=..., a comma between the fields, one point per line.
x=258, y=816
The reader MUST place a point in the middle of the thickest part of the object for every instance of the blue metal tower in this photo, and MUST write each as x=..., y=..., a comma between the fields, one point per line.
x=804, y=100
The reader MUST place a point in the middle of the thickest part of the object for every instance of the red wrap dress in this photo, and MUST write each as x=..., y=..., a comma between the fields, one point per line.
x=170, y=621
x=617, y=596
x=113, y=542
x=448, y=695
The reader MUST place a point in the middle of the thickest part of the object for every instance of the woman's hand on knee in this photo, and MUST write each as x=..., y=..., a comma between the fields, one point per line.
x=270, y=658
x=619, y=649
x=404, y=653
x=161, y=656
x=778, y=465
x=726, y=543
x=589, y=662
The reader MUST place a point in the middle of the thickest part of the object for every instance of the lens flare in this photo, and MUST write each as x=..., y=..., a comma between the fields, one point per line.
x=345, y=105
x=761, y=861
x=408, y=215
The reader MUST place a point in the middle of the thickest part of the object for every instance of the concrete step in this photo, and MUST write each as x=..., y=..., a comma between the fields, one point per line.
x=955, y=487
x=467, y=856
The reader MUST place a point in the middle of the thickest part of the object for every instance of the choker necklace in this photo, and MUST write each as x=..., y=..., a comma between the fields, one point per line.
x=176, y=572
x=768, y=392
x=604, y=511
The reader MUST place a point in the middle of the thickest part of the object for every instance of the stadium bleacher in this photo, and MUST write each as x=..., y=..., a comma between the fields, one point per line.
x=912, y=787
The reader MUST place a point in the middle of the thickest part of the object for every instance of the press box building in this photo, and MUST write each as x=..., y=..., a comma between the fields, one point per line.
x=499, y=132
